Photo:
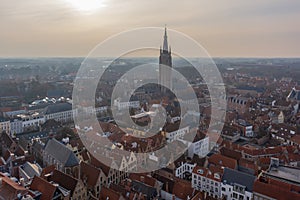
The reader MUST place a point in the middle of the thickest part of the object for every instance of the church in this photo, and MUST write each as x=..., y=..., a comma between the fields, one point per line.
x=165, y=65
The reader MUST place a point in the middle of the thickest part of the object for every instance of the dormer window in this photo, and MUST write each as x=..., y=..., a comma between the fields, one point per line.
x=200, y=171
x=216, y=176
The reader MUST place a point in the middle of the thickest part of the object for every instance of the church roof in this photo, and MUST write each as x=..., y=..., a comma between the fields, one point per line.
x=294, y=95
x=165, y=46
x=62, y=153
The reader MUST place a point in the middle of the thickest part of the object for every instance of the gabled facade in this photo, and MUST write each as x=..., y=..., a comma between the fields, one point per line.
x=208, y=180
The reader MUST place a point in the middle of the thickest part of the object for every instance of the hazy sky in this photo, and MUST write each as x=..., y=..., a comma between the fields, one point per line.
x=226, y=28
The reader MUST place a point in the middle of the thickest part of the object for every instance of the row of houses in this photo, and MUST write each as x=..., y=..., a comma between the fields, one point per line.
x=33, y=119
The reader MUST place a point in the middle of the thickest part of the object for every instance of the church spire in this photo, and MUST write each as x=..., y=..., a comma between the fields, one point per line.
x=165, y=47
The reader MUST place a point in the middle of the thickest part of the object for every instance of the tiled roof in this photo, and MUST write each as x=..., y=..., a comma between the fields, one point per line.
x=231, y=177
x=95, y=162
x=168, y=183
x=64, y=180
x=107, y=193
x=143, y=178
x=248, y=166
x=58, y=107
x=231, y=153
x=46, y=188
x=47, y=170
x=223, y=161
x=143, y=188
x=209, y=172
x=19, y=151
x=6, y=139
x=31, y=169
x=183, y=189
x=178, y=162
x=274, y=191
x=62, y=153
x=294, y=94
x=10, y=189
x=85, y=155
x=197, y=160
x=296, y=139
x=90, y=173
x=6, y=155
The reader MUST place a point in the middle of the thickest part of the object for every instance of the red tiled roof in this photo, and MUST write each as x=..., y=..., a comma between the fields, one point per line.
x=274, y=191
x=249, y=164
x=95, y=162
x=46, y=188
x=264, y=161
x=209, y=172
x=9, y=189
x=90, y=173
x=107, y=193
x=6, y=155
x=222, y=161
x=143, y=178
x=64, y=180
x=183, y=189
x=47, y=170
x=85, y=155
x=296, y=139
x=10, y=182
x=230, y=153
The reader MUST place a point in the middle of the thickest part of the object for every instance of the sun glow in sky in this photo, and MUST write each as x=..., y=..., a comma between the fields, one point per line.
x=231, y=28
x=87, y=5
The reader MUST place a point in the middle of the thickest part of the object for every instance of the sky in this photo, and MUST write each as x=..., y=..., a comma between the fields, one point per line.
x=226, y=28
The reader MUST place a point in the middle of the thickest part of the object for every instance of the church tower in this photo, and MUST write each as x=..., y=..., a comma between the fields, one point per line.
x=165, y=65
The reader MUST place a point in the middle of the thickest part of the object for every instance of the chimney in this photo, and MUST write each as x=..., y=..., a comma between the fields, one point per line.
x=48, y=176
x=140, y=195
x=22, y=182
x=167, y=187
x=142, y=179
x=274, y=162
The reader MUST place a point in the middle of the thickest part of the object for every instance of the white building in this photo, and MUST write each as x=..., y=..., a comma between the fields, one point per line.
x=208, y=180
x=16, y=126
x=199, y=146
x=175, y=119
x=178, y=134
x=184, y=168
x=237, y=185
x=126, y=105
x=31, y=120
x=61, y=112
x=11, y=114
x=4, y=125
x=94, y=110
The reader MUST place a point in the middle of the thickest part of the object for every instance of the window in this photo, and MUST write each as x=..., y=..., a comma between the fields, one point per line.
x=241, y=197
x=235, y=195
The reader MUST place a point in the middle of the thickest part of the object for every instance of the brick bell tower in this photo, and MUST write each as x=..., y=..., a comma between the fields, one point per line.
x=165, y=65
